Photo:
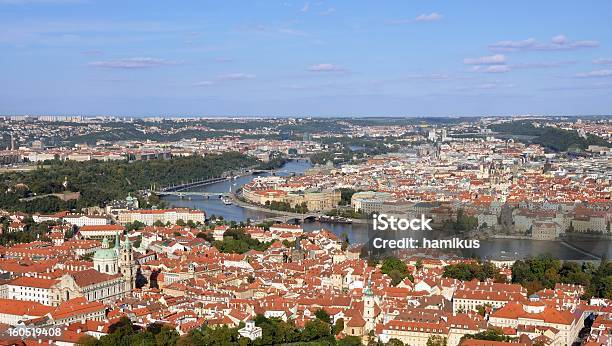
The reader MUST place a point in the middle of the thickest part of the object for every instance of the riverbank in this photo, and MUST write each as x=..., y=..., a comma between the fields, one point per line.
x=495, y=247
x=507, y=236
x=235, y=199
x=562, y=237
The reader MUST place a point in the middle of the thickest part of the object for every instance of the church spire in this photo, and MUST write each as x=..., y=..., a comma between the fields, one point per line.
x=105, y=244
x=127, y=244
x=368, y=290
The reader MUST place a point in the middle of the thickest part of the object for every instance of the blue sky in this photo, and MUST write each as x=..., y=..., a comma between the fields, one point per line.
x=305, y=58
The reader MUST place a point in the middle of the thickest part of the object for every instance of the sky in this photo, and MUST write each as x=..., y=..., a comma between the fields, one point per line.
x=305, y=58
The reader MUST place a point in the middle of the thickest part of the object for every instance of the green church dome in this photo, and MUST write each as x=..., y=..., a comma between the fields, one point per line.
x=105, y=253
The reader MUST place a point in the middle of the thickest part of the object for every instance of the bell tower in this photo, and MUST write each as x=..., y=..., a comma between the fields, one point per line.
x=127, y=265
x=369, y=311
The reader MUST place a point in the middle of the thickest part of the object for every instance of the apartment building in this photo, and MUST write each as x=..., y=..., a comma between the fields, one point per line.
x=149, y=217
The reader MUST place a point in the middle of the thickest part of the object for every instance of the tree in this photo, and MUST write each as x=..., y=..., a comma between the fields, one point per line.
x=396, y=277
x=396, y=269
x=338, y=326
x=276, y=331
x=206, y=336
x=136, y=225
x=322, y=315
x=471, y=271
x=120, y=333
x=465, y=222
x=543, y=272
x=69, y=233
x=345, y=241
x=395, y=342
x=482, y=309
x=491, y=334
x=167, y=336
x=436, y=340
x=140, y=279
x=87, y=340
x=315, y=329
x=101, y=182
x=350, y=341
x=373, y=262
x=236, y=241
x=345, y=195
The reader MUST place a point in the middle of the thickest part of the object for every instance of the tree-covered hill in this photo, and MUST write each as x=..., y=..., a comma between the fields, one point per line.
x=100, y=182
x=550, y=137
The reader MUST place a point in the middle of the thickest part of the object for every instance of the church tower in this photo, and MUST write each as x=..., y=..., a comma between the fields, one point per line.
x=369, y=311
x=297, y=253
x=127, y=265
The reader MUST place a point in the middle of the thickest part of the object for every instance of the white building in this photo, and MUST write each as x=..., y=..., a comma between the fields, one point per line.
x=32, y=289
x=149, y=217
x=85, y=220
x=370, y=201
x=100, y=231
x=12, y=311
x=250, y=331
x=539, y=314
x=413, y=333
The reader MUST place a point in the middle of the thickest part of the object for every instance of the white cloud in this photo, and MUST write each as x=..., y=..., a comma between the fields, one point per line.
x=132, y=63
x=595, y=74
x=603, y=61
x=306, y=7
x=325, y=68
x=235, y=76
x=434, y=16
x=486, y=86
x=328, y=11
x=431, y=17
x=497, y=59
x=431, y=76
x=559, y=39
x=559, y=42
x=229, y=77
x=510, y=46
x=491, y=68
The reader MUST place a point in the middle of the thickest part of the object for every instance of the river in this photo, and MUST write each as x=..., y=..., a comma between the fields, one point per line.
x=361, y=233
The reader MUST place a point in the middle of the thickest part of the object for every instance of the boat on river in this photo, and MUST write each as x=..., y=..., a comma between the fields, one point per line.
x=335, y=219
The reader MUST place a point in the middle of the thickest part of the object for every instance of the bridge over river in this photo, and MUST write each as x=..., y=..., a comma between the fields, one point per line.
x=186, y=186
x=190, y=194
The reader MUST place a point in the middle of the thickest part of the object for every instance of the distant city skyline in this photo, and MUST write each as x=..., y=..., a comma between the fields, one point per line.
x=305, y=58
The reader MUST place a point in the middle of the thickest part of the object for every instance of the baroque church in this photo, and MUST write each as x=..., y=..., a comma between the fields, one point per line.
x=117, y=260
